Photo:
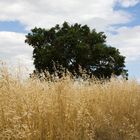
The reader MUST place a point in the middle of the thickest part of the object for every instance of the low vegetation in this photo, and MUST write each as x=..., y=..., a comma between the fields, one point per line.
x=68, y=110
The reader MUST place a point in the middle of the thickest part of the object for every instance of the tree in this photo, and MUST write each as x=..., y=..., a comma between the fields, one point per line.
x=73, y=46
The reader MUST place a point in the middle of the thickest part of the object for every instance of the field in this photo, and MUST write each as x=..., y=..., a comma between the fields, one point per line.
x=67, y=110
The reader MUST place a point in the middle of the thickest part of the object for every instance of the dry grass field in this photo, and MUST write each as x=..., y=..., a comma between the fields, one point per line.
x=65, y=110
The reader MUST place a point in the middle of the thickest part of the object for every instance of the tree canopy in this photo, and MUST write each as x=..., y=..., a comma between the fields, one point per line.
x=68, y=47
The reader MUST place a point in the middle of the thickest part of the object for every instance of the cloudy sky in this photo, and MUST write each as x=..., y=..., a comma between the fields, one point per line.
x=119, y=19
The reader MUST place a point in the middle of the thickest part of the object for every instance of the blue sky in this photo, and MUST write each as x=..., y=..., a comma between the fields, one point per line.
x=132, y=66
x=12, y=26
x=134, y=10
x=119, y=19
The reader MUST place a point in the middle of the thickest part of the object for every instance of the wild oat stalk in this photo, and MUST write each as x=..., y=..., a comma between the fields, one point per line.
x=68, y=110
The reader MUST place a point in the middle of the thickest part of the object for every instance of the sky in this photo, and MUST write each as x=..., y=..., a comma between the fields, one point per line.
x=118, y=19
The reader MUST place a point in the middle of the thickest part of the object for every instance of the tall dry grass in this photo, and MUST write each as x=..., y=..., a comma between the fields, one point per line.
x=66, y=110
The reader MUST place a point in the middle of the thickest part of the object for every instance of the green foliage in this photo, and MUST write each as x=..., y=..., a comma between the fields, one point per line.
x=69, y=47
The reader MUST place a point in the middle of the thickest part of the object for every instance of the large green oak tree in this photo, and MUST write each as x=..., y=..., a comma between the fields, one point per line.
x=68, y=47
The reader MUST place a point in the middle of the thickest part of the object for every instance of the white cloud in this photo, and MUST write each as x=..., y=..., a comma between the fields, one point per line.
x=46, y=13
x=14, y=50
x=128, y=3
x=127, y=39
